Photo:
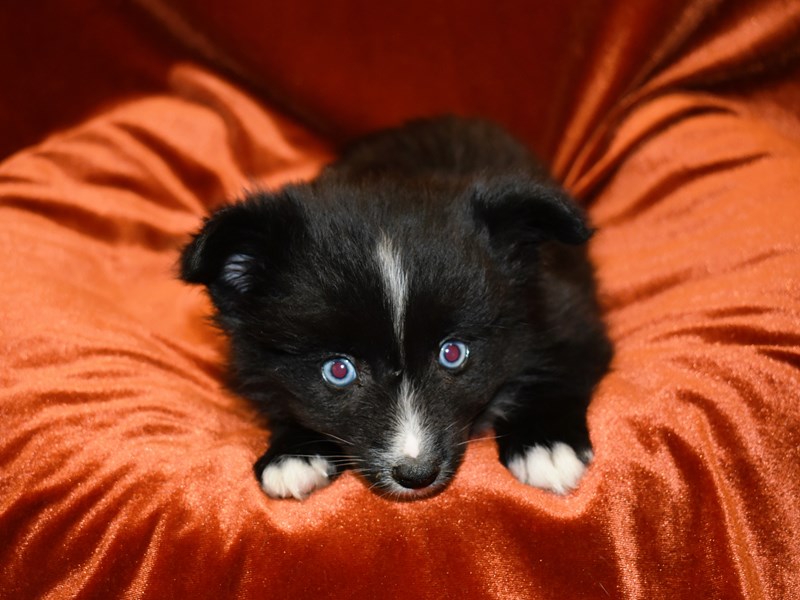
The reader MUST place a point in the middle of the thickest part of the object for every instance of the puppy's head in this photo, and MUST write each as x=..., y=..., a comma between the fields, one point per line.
x=392, y=317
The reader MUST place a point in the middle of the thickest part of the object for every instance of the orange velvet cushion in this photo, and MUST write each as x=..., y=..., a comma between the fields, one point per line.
x=125, y=466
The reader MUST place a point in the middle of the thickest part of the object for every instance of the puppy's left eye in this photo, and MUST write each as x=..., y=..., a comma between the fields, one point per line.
x=453, y=354
x=339, y=372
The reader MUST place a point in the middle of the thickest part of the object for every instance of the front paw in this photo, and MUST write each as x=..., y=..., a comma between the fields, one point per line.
x=289, y=476
x=557, y=468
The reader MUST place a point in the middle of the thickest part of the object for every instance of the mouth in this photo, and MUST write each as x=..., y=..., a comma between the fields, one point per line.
x=390, y=489
x=409, y=480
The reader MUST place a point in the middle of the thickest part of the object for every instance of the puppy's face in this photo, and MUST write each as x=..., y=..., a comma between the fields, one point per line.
x=391, y=320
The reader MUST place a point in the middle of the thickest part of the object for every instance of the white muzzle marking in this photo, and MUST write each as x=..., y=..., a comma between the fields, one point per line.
x=410, y=437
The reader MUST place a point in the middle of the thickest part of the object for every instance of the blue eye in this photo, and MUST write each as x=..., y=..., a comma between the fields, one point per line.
x=453, y=354
x=339, y=372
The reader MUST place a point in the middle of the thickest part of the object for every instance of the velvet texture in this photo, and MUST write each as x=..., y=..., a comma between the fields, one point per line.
x=125, y=466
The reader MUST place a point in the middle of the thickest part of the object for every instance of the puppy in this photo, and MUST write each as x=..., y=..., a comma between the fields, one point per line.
x=430, y=284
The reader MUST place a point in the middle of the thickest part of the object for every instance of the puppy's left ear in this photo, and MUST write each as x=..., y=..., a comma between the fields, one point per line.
x=517, y=210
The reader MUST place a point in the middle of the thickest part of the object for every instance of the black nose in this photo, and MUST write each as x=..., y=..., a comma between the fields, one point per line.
x=414, y=474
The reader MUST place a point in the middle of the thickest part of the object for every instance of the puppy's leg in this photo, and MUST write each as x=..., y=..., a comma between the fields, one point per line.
x=544, y=441
x=297, y=462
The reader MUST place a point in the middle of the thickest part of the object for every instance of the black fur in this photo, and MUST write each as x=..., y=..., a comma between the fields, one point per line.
x=494, y=254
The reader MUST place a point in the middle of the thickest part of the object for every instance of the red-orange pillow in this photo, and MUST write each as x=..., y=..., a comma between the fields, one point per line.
x=126, y=467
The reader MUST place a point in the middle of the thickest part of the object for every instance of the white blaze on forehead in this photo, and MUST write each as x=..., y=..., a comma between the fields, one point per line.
x=409, y=434
x=395, y=283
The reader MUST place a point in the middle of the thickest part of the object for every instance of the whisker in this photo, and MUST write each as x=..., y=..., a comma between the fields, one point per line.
x=307, y=443
x=338, y=439
x=375, y=485
x=327, y=456
x=361, y=472
x=488, y=437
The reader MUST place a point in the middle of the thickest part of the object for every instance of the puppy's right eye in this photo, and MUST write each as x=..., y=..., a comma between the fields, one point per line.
x=339, y=372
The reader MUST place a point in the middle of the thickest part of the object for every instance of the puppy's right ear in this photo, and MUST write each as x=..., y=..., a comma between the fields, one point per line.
x=241, y=242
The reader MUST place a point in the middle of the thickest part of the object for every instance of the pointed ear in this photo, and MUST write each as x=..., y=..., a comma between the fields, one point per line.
x=518, y=210
x=241, y=242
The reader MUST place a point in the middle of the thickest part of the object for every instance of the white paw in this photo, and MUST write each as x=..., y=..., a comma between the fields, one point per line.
x=296, y=477
x=557, y=469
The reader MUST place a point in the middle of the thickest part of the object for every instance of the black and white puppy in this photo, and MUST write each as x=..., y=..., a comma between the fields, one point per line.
x=430, y=284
